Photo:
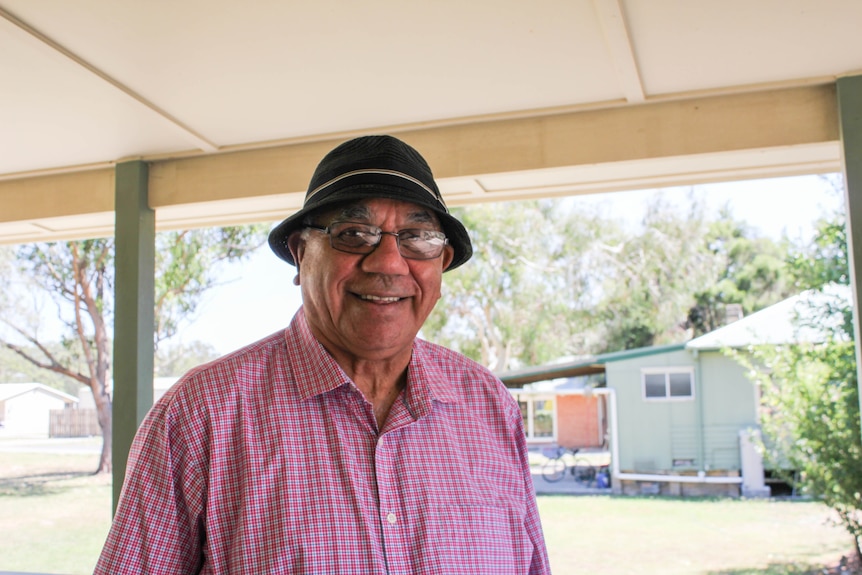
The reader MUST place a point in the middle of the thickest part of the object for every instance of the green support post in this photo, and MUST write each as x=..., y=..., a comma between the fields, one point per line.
x=134, y=321
x=850, y=118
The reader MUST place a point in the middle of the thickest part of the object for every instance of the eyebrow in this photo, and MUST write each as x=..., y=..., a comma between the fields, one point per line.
x=361, y=212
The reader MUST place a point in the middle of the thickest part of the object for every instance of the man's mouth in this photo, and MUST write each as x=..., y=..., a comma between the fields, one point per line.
x=379, y=299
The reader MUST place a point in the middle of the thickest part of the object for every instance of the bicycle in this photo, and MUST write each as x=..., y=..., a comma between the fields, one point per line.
x=566, y=460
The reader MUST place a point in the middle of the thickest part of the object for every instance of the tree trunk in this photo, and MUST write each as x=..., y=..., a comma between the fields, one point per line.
x=105, y=422
x=103, y=410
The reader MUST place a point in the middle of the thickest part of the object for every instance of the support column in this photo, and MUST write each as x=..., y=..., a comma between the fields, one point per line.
x=850, y=118
x=134, y=321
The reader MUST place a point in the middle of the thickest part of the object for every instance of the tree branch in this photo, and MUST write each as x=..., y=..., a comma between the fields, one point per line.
x=52, y=364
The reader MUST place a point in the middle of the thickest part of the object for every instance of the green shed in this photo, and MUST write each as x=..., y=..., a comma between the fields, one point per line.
x=683, y=418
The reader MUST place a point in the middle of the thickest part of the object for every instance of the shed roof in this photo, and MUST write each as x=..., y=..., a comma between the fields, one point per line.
x=580, y=366
x=788, y=321
x=10, y=390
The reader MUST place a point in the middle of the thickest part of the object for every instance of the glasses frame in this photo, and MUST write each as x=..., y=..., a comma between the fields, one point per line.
x=365, y=250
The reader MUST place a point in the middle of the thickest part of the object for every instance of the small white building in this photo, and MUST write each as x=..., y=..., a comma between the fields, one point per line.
x=25, y=408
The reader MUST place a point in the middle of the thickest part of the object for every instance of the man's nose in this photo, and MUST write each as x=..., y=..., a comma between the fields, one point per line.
x=386, y=257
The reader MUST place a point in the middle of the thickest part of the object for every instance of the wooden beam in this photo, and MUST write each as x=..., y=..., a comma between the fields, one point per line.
x=677, y=141
x=134, y=319
x=850, y=109
x=677, y=128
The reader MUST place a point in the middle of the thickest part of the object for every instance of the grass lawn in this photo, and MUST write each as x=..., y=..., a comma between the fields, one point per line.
x=610, y=535
x=54, y=514
x=54, y=517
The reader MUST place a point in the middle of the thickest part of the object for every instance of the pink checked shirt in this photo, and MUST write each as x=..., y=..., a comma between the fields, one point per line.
x=269, y=460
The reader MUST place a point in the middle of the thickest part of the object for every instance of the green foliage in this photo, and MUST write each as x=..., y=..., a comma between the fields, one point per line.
x=526, y=288
x=78, y=276
x=810, y=416
x=187, y=265
x=810, y=392
x=753, y=274
x=175, y=360
x=656, y=270
x=65, y=270
x=825, y=260
x=550, y=279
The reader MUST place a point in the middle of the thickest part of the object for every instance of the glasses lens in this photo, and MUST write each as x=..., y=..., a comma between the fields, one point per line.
x=355, y=238
x=421, y=244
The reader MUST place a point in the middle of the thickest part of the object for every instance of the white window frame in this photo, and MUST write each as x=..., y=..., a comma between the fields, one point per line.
x=529, y=430
x=667, y=371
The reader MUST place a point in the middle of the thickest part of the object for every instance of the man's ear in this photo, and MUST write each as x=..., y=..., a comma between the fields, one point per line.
x=296, y=245
x=448, y=256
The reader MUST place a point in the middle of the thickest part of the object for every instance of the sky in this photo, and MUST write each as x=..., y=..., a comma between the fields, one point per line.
x=258, y=296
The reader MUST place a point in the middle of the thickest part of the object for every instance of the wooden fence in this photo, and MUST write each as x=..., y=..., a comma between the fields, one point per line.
x=74, y=423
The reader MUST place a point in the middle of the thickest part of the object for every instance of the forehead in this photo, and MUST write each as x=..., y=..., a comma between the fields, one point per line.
x=370, y=210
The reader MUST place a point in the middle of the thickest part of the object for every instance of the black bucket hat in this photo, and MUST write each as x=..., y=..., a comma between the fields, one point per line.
x=373, y=167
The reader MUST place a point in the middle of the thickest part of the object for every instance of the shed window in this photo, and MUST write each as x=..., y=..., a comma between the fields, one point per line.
x=538, y=414
x=668, y=384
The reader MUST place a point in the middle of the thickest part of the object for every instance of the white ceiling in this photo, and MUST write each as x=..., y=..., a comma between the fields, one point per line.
x=85, y=83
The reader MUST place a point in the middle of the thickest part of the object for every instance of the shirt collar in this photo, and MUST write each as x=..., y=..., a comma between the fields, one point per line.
x=315, y=371
x=427, y=376
x=319, y=373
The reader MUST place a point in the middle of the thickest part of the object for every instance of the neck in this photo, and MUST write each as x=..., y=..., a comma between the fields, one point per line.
x=380, y=383
x=380, y=379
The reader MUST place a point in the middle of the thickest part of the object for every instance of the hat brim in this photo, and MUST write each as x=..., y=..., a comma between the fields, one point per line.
x=455, y=231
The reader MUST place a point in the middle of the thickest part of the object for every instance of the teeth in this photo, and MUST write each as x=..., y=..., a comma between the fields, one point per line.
x=380, y=299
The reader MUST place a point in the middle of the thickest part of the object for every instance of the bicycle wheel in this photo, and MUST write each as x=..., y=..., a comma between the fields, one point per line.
x=553, y=469
x=584, y=473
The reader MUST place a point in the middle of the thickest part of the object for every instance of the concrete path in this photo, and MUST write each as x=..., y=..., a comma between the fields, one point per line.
x=565, y=486
x=77, y=445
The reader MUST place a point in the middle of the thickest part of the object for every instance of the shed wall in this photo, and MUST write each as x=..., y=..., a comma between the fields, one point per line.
x=649, y=432
x=27, y=415
x=581, y=420
x=683, y=435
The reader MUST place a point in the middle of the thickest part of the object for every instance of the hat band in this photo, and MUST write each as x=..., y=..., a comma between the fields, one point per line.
x=337, y=179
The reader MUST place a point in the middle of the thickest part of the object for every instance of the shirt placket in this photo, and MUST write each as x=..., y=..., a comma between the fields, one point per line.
x=395, y=524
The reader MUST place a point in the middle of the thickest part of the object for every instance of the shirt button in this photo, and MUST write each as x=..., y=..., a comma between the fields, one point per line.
x=391, y=518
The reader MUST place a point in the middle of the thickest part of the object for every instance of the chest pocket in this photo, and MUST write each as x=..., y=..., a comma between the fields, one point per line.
x=474, y=539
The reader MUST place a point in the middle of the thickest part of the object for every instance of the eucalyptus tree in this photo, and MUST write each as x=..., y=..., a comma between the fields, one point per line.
x=559, y=278
x=77, y=278
x=752, y=273
x=523, y=297
x=658, y=268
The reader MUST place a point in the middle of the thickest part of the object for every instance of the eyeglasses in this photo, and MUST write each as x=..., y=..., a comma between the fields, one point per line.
x=356, y=238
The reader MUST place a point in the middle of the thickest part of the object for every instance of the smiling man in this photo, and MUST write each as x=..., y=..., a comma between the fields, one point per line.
x=343, y=444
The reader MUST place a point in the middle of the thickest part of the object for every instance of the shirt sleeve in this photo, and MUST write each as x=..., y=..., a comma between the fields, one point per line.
x=539, y=564
x=157, y=527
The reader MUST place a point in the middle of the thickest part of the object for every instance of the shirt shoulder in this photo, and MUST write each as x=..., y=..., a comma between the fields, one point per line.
x=451, y=361
x=454, y=374
x=231, y=373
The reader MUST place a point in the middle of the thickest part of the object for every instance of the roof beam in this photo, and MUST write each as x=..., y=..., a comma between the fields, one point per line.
x=619, y=43
x=767, y=133
x=196, y=138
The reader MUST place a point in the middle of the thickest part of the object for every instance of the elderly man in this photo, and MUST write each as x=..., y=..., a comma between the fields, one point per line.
x=343, y=444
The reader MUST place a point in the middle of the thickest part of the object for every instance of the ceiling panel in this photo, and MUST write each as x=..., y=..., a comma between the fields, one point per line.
x=52, y=114
x=685, y=46
x=260, y=71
